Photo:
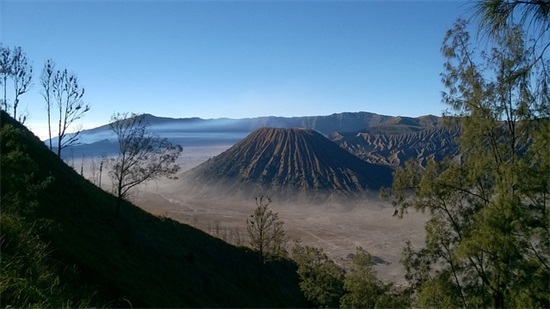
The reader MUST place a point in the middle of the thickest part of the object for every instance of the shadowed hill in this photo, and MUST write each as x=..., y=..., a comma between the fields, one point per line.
x=288, y=164
x=56, y=224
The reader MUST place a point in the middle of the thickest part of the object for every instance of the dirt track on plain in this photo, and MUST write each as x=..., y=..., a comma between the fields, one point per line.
x=337, y=228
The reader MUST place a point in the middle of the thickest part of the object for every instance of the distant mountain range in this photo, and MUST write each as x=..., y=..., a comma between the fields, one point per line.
x=342, y=122
x=318, y=158
x=374, y=138
x=289, y=164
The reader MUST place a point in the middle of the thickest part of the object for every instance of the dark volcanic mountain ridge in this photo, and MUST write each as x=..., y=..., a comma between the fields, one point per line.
x=343, y=122
x=288, y=164
x=377, y=139
x=400, y=139
x=396, y=149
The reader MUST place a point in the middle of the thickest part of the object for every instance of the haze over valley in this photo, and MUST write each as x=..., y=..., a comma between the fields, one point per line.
x=275, y=154
x=335, y=213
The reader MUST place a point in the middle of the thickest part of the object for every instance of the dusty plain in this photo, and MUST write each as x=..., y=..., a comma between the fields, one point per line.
x=337, y=228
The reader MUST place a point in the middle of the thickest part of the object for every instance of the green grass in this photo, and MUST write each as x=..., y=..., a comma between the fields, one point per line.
x=98, y=259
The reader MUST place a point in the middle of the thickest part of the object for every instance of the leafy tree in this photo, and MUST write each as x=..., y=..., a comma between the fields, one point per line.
x=362, y=287
x=394, y=297
x=142, y=156
x=265, y=231
x=364, y=290
x=495, y=16
x=68, y=94
x=488, y=240
x=321, y=280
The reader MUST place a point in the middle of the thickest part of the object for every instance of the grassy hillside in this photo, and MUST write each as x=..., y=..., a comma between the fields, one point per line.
x=62, y=245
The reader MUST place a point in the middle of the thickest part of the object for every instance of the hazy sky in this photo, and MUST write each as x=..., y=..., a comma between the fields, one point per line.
x=237, y=59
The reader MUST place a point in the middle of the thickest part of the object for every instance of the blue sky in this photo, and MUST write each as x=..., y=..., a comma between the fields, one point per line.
x=237, y=59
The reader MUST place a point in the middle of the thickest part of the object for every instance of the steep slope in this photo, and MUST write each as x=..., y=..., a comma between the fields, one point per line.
x=289, y=164
x=136, y=260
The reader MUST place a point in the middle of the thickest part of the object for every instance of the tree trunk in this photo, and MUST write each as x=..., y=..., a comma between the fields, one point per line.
x=260, y=269
x=59, y=134
x=261, y=261
x=100, y=172
x=498, y=299
x=49, y=123
x=118, y=202
x=59, y=139
x=5, y=98
x=15, y=103
x=119, y=197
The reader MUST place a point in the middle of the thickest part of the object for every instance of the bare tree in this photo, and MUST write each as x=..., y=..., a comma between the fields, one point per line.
x=46, y=79
x=237, y=240
x=82, y=162
x=93, y=170
x=217, y=228
x=21, y=74
x=68, y=96
x=14, y=66
x=103, y=161
x=5, y=72
x=142, y=156
x=265, y=231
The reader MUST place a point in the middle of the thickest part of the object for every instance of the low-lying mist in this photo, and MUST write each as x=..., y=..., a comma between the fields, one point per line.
x=339, y=227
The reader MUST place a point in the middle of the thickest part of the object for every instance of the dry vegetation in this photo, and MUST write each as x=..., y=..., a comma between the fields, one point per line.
x=337, y=228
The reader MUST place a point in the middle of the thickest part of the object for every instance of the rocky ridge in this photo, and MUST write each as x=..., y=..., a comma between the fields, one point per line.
x=289, y=164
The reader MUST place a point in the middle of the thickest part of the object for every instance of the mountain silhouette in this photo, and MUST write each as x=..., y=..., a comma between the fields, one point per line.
x=289, y=164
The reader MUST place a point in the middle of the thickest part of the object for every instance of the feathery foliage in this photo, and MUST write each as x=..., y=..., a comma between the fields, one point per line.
x=321, y=280
x=265, y=231
x=488, y=235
